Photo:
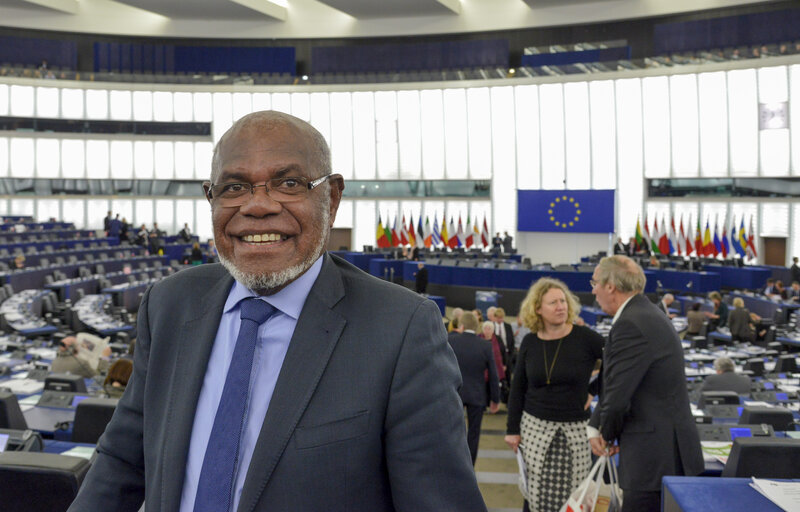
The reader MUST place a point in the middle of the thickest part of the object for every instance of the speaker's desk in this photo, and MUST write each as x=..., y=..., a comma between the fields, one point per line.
x=702, y=494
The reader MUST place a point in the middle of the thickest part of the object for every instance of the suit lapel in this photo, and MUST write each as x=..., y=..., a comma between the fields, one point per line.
x=195, y=339
x=317, y=332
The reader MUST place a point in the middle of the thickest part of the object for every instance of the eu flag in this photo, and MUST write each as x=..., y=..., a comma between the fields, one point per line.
x=566, y=211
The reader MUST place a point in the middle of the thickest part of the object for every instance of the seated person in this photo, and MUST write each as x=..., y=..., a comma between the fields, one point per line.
x=780, y=291
x=72, y=358
x=719, y=317
x=741, y=321
x=19, y=261
x=726, y=378
x=696, y=319
x=665, y=303
x=118, y=375
x=769, y=288
x=793, y=293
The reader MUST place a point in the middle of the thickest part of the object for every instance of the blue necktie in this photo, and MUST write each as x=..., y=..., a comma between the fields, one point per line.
x=215, y=486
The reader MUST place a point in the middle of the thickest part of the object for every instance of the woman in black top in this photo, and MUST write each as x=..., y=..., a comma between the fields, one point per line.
x=548, y=407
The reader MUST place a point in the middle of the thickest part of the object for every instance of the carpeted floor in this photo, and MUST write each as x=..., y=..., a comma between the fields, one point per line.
x=496, y=467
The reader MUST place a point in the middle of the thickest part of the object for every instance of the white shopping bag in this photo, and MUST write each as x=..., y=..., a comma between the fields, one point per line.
x=585, y=496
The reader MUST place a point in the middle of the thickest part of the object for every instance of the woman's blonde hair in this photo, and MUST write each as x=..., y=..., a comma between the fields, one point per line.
x=738, y=302
x=533, y=301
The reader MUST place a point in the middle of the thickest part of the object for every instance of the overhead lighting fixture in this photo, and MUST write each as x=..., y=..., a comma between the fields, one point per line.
x=277, y=9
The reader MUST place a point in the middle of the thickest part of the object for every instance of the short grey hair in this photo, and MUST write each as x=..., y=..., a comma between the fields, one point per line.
x=624, y=273
x=724, y=364
x=319, y=156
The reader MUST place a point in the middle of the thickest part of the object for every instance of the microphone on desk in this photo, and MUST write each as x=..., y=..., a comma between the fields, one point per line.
x=689, y=284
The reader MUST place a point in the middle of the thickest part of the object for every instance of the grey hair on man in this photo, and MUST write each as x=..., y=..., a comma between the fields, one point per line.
x=724, y=364
x=622, y=272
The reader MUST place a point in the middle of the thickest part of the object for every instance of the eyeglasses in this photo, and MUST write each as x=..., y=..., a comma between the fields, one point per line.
x=593, y=283
x=284, y=190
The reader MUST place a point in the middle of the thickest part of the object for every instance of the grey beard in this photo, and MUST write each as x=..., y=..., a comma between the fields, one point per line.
x=268, y=283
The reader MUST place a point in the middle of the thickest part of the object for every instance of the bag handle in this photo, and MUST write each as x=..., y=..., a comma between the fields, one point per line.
x=594, y=475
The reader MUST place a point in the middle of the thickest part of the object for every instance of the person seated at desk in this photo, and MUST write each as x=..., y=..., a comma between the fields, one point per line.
x=665, y=303
x=695, y=319
x=726, y=378
x=793, y=293
x=117, y=379
x=69, y=360
x=719, y=317
x=196, y=257
x=780, y=291
x=741, y=321
x=769, y=288
x=19, y=262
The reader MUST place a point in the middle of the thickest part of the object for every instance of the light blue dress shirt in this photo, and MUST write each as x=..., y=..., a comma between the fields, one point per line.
x=273, y=342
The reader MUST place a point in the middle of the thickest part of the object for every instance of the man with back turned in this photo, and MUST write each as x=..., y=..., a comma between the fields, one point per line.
x=643, y=412
x=290, y=380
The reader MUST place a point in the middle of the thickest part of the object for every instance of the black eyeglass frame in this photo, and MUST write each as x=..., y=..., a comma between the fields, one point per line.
x=208, y=188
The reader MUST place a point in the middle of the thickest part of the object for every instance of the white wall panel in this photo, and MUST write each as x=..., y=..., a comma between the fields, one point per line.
x=432, y=134
x=202, y=213
x=364, y=135
x=386, y=134
x=282, y=102
x=22, y=101
x=165, y=215
x=22, y=161
x=222, y=112
x=203, y=153
x=74, y=211
x=184, y=160
x=96, y=104
x=526, y=114
x=143, y=105
x=773, y=91
x=163, y=109
x=630, y=173
x=504, y=177
x=72, y=103
x=320, y=115
x=551, y=126
x=455, y=134
x=203, y=107
x=577, y=131
x=603, y=134
x=774, y=219
x=47, y=158
x=300, y=106
x=262, y=101
x=342, y=133
x=685, y=130
x=96, y=210
x=143, y=212
x=794, y=119
x=479, y=125
x=713, y=122
x=47, y=208
x=656, y=123
x=409, y=134
x=47, y=104
x=3, y=100
x=165, y=160
x=242, y=105
x=121, y=159
x=344, y=217
x=73, y=158
x=143, y=163
x=97, y=159
x=3, y=157
x=121, y=104
x=183, y=104
x=366, y=224
x=743, y=122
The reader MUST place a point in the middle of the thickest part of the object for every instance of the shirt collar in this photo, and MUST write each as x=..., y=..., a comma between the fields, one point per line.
x=619, y=311
x=289, y=300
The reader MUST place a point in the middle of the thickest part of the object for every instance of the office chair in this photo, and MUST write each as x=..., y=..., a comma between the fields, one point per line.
x=39, y=482
x=10, y=414
x=91, y=417
x=718, y=398
x=786, y=363
x=756, y=366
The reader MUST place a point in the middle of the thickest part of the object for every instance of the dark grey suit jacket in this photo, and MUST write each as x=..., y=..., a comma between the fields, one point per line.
x=727, y=381
x=475, y=357
x=365, y=413
x=644, y=404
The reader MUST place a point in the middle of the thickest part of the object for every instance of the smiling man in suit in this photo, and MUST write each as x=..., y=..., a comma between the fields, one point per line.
x=643, y=411
x=283, y=385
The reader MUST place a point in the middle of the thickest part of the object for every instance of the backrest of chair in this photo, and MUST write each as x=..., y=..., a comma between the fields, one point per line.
x=39, y=482
x=10, y=412
x=778, y=417
x=91, y=417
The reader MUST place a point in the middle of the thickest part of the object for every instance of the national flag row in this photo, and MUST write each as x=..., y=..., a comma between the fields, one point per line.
x=665, y=239
x=432, y=235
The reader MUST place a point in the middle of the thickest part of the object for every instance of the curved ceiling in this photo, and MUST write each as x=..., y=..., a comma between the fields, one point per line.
x=289, y=19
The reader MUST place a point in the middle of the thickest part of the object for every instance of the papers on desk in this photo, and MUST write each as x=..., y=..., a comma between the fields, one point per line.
x=84, y=452
x=42, y=352
x=716, y=450
x=784, y=494
x=23, y=386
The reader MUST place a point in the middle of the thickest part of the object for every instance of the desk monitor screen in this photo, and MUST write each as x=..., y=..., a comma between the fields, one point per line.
x=80, y=398
x=3, y=442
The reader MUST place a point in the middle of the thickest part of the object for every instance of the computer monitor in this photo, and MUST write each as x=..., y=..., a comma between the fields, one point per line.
x=786, y=363
x=778, y=417
x=65, y=382
x=10, y=413
x=3, y=442
x=755, y=366
x=763, y=457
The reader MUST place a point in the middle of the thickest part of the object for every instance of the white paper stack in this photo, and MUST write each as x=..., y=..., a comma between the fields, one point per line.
x=784, y=494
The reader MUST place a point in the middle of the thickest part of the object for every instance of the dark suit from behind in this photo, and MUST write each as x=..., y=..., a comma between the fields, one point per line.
x=727, y=381
x=365, y=403
x=644, y=404
x=739, y=324
x=475, y=357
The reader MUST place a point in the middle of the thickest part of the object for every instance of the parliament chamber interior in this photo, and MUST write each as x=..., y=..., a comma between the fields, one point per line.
x=492, y=142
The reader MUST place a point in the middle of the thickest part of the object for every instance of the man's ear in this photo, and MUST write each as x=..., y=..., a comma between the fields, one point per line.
x=336, y=188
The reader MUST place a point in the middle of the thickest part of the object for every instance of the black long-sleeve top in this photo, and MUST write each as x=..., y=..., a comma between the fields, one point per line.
x=564, y=398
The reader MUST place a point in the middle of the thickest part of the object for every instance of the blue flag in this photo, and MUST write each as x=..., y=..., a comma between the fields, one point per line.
x=566, y=211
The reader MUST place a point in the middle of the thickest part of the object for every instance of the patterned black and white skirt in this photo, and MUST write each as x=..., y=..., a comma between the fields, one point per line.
x=558, y=458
